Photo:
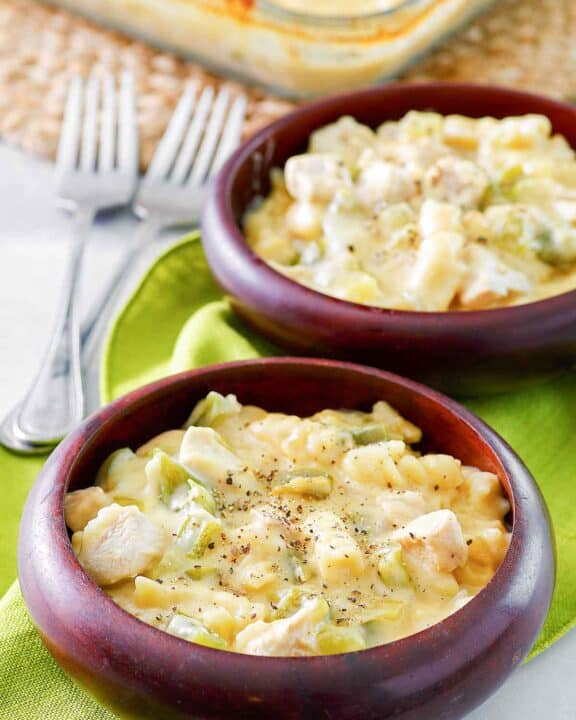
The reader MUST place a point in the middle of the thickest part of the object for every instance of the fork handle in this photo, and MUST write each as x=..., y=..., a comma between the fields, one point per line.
x=54, y=404
x=96, y=324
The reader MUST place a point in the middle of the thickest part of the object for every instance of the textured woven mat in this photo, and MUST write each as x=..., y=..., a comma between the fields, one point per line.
x=525, y=43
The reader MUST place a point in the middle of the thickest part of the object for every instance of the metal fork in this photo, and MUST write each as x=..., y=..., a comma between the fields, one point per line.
x=96, y=168
x=202, y=133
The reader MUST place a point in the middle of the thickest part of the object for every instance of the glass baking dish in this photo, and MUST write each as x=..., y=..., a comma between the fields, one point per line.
x=290, y=49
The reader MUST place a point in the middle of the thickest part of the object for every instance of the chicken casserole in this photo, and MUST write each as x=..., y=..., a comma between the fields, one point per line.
x=427, y=213
x=270, y=534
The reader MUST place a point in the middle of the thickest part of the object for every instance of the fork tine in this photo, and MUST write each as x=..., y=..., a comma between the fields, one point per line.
x=90, y=127
x=108, y=125
x=128, y=126
x=192, y=139
x=168, y=146
x=231, y=134
x=70, y=134
x=213, y=130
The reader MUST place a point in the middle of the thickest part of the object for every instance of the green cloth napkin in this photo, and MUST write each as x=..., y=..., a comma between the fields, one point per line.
x=178, y=319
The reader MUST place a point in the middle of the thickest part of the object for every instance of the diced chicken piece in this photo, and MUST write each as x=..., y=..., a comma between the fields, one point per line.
x=489, y=279
x=304, y=219
x=293, y=636
x=335, y=552
x=383, y=182
x=439, y=536
x=456, y=181
x=400, y=508
x=119, y=543
x=315, y=177
x=347, y=138
x=80, y=506
x=439, y=269
x=566, y=209
x=204, y=453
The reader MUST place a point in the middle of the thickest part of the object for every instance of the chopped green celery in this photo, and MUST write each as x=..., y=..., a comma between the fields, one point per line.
x=355, y=170
x=289, y=602
x=511, y=175
x=172, y=563
x=519, y=234
x=503, y=190
x=301, y=569
x=198, y=530
x=194, y=631
x=202, y=496
x=546, y=249
x=112, y=463
x=333, y=639
x=369, y=434
x=212, y=407
x=512, y=234
x=391, y=567
x=177, y=484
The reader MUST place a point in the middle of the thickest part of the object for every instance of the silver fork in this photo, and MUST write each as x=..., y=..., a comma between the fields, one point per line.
x=96, y=168
x=202, y=133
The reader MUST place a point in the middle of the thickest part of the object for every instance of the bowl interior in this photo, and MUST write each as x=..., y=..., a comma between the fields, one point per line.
x=248, y=173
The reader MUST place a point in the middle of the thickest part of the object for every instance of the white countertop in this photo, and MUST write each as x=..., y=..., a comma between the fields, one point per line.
x=33, y=245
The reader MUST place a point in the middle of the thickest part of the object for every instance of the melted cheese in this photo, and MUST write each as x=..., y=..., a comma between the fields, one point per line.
x=428, y=213
x=273, y=534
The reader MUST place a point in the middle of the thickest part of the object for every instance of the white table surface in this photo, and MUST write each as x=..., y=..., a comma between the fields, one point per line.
x=33, y=247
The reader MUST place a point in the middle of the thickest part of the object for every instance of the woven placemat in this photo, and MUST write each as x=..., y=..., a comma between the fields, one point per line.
x=524, y=43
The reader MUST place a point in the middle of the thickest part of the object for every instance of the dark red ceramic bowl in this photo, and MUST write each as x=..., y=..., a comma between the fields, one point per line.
x=462, y=353
x=141, y=672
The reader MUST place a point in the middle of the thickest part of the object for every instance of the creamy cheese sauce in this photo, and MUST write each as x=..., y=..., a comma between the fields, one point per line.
x=271, y=534
x=428, y=213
